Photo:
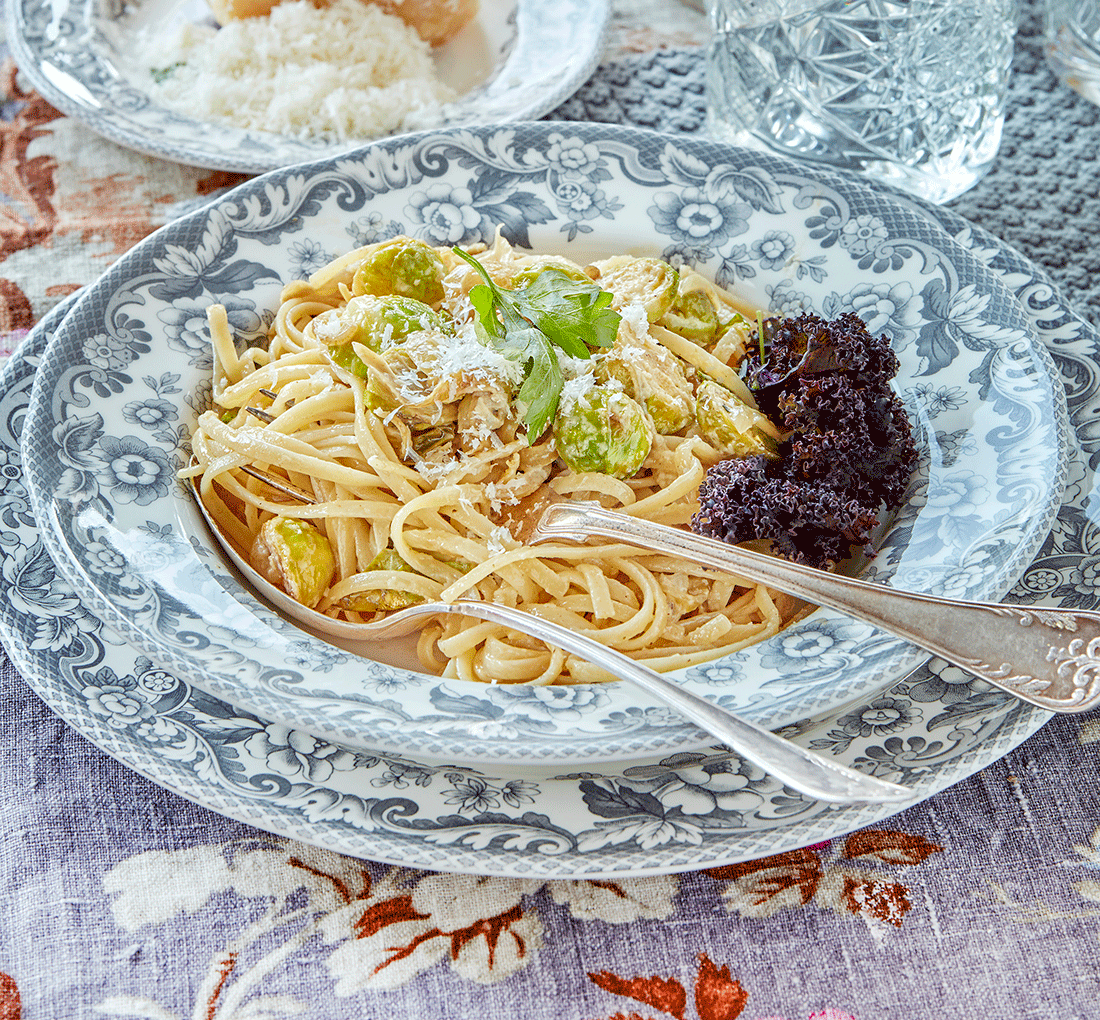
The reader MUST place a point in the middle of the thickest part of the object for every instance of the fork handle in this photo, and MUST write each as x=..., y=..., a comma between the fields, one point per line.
x=801, y=769
x=1047, y=657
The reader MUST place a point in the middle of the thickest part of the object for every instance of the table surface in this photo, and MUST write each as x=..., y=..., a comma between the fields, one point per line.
x=120, y=899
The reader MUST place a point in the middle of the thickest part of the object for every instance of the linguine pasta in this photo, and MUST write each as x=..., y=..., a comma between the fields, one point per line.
x=411, y=443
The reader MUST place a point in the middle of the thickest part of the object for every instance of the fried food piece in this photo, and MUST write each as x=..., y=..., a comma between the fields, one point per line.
x=435, y=21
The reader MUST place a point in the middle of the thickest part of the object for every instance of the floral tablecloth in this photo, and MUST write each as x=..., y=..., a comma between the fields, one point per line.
x=120, y=899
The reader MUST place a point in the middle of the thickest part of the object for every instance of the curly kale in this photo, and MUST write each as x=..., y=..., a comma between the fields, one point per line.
x=849, y=449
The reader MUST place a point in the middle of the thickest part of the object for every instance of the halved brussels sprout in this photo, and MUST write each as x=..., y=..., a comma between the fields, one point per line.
x=404, y=266
x=295, y=556
x=654, y=377
x=528, y=274
x=381, y=600
x=694, y=317
x=729, y=425
x=376, y=322
x=604, y=430
x=651, y=283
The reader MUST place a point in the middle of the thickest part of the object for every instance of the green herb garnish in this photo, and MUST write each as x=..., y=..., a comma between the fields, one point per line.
x=162, y=74
x=526, y=325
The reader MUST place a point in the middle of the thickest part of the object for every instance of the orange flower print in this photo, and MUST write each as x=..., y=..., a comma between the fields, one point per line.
x=763, y=887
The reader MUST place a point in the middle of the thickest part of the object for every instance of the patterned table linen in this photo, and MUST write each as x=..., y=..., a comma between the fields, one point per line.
x=119, y=899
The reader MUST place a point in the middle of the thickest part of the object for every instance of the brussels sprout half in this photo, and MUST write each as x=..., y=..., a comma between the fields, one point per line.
x=403, y=266
x=694, y=317
x=605, y=431
x=730, y=425
x=376, y=322
x=651, y=283
x=295, y=556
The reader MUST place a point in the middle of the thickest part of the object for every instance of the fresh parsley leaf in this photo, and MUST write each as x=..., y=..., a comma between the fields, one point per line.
x=572, y=313
x=525, y=326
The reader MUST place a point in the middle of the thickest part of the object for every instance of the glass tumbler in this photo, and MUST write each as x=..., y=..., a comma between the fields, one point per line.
x=1072, y=34
x=907, y=91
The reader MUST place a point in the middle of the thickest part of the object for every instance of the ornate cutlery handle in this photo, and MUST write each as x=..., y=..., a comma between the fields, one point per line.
x=1048, y=657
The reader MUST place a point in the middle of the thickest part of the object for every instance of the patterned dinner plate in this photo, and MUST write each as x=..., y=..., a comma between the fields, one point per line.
x=119, y=384
x=675, y=813
x=517, y=60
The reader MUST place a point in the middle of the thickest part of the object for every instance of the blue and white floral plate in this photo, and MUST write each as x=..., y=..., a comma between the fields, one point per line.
x=681, y=812
x=121, y=381
x=518, y=60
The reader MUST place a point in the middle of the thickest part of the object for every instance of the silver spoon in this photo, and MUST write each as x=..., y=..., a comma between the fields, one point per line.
x=800, y=769
x=1047, y=657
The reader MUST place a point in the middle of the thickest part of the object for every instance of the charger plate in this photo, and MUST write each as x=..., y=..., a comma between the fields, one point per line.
x=677, y=813
x=110, y=413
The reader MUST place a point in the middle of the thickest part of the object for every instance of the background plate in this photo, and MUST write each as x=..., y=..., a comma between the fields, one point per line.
x=518, y=60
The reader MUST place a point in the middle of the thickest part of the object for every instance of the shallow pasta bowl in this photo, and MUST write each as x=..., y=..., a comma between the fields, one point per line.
x=129, y=368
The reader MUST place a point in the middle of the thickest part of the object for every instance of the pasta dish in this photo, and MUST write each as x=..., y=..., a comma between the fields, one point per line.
x=417, y=406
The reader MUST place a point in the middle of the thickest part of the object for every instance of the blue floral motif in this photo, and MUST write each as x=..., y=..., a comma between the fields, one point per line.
x=35, y=590
x=399, y=774
x=774, y=249
x=575, y=157
x=721, y=674
x=691, y=217
x=883, y=307
x=108, y=352
x=16, y=509
x=879, y=717
x=372, y=228
x=705, y=785
x=297, y=754
x=158, y=682
x=736, y=265
x=446, y=214
x=950, y=685
x=960, y=494
x=134, y=471
x=788, y=302
x=554, y=701
x=151, y=413
x=862, y=234
x=188, y=331
x=306, y=257
x=582, y=200
x=817, y=651
x=937, y=399
x=117, y=702
x=304, y=655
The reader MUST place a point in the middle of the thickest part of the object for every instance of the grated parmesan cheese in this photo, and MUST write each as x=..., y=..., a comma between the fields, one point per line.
x=342, y=72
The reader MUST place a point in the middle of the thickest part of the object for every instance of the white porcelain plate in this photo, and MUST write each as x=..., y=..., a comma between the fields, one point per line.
x=677, y=813
x=120, y=383
x=517, y=60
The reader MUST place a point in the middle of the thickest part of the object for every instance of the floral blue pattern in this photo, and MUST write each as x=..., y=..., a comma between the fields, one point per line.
x=679, y=811
x=97, y=484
